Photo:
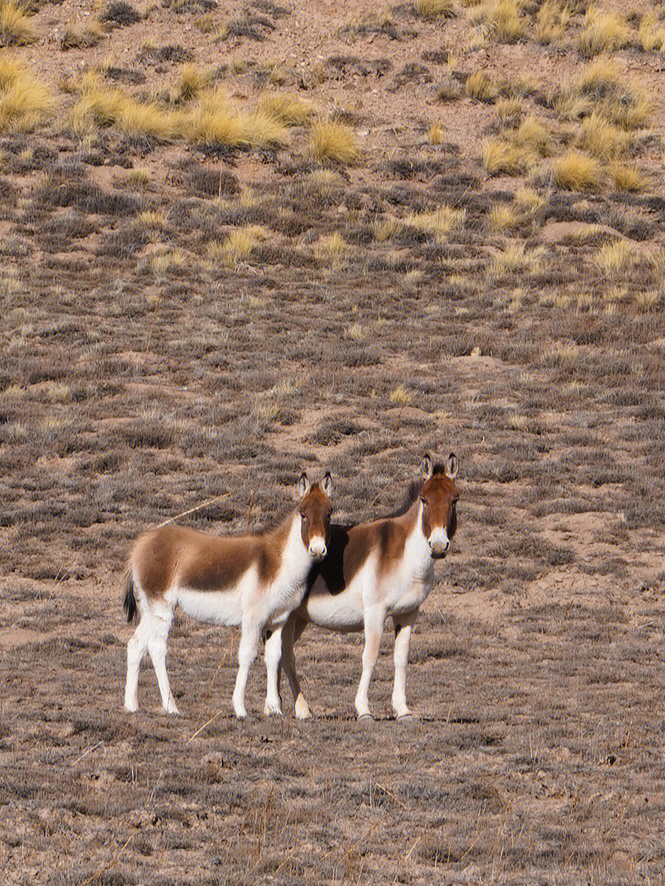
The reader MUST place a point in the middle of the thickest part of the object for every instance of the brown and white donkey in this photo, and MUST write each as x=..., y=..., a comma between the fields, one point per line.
x=374, y=570
x=254, y=581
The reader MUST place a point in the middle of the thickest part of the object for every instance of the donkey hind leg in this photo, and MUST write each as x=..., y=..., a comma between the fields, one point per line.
x=273, y=656
x=249, y=642
x=373, y=619
x=136, y=649
x=403, y=628
x=159, y=625
x=290, y=636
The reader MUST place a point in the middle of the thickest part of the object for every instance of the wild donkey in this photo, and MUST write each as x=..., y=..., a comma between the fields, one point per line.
x=374, y=570
x=254, y=581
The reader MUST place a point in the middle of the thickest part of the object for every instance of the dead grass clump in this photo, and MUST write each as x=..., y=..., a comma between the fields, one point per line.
x=604, y=31
x=502, y=157
x=651, y=33
x=575, y=171
x=334, y=142
x=440, y=222
x=89, y=36
x=480, y=88
x=215, y=123
x=238, y=246
x=614, y=260
x=533, y=137
x=552, y=20
x=603, y=139
x=529, y=201
x=501, y=20
x=503, y=217
x=289, y=110
x=25, y=102
x=627, y=177
x=15, y=26
x=331, y=249
x=386, y=228
x=602, y=88
x=192, y=80
x=433, y=10
x=514, y=259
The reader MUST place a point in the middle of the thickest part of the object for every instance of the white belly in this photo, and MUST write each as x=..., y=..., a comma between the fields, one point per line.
x=214, y=607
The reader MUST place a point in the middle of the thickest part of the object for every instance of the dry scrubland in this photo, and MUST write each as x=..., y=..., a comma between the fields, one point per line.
x=243, y=239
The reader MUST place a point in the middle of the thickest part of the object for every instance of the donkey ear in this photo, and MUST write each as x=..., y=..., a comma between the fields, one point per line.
x=303, y=485
x=327, y=484
x=451, y=466
x=426, y=468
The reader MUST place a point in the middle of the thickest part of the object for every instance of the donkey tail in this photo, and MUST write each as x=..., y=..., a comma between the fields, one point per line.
x=129, y=603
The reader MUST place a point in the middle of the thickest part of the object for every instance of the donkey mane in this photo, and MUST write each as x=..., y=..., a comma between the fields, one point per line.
x=412, y=493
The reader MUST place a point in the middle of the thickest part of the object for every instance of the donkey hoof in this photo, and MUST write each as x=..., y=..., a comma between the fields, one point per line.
x=365, y=718
x=406, y=718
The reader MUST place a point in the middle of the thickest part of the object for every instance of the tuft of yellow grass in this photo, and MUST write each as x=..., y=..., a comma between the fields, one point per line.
x=400, y=396
x=552, y=20
x=289, y=110
x=15, y=26
x=603, y=139
x=479, y=87
x=435, y=134
x=238, y=246
x=500, y=19
x=192, y=80
x=503, y=217
x=651, y=34
x=501, y=157
x=330, y=249
x=627, y=177
x=332, y=141
x=533, y=136
x=431, y=10
x=614, y=259
x=89, y=36
x=515, y=258
x=509, y=110
x=441, y=222
x=603, y=31
x=25, y=102
x=213, y=121
x=528, y=200
x=575, y=171
x=386, y=228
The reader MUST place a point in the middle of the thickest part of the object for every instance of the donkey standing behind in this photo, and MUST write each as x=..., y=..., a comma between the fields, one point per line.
x=254, y=581
x=374, y=570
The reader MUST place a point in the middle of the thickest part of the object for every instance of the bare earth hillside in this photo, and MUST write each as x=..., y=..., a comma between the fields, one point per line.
x=243, y=239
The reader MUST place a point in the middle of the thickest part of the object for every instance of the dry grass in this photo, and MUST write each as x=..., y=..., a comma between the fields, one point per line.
x=602, y=139
x=552, y=22
x=16, y=29
x=441, y=222
x=628, y=177
x=192, y=80
x=651, y=33
x=331, y=249
x=433, y=10
x=614, y=260
x=516, y=258
x=480, y=88
x=25, y=102
x=215, y=122
x=333, y=142
x=82, y=38
x=500, y=20
x=503, y=157
x=503, y=217
x=575, y=171
x=289, y=110
x=237, y=247
x=603, y=31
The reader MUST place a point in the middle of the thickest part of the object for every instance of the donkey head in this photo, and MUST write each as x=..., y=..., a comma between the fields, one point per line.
x=438, y=499
x=314, y=511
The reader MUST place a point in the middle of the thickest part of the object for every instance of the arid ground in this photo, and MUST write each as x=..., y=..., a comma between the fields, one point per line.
x=245, y=239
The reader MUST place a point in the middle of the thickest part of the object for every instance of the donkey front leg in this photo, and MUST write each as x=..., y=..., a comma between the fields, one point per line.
x=273, y=658
x=373, y=619
x=249, y=643
x=403, y=628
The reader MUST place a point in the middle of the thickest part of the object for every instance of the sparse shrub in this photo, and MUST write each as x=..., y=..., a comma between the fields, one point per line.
x=15, y=26
x=255, y=27
x=448, y=90
x=334, y=142
x=372, y=23
x=120, y=14
x=575, y=171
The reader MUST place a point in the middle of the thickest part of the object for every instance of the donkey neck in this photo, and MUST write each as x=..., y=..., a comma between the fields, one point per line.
x=294, y=559
x=416, y=548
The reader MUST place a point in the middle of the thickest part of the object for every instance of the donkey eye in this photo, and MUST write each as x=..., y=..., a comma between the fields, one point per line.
x=303, y=516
